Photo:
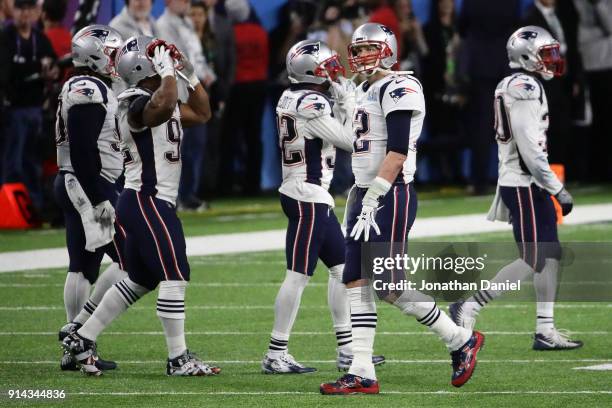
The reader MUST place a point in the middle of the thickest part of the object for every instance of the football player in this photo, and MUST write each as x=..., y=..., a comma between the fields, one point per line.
x=309, y=133
x=151, y=127
x=89, y=161
x=526, y=184
x=388, y=114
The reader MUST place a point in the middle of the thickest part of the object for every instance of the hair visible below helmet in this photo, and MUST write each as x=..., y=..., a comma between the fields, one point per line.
x=312, y=61
x=133, y=63
x=376, y=35
x=533, y=49
x=95, y=47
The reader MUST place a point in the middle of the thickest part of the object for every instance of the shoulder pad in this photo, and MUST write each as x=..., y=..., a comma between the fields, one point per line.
x=523, y=86
x=312, y=105
x=400, y=89
x=84, y=90
x=132, y=92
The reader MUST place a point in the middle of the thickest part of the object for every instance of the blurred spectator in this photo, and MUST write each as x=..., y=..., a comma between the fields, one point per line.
x=414, y=46
x=135, y=19
x=484, y=26
x=30, y=57
x=383, y=13
x=333, y=29
x=6, y=11
x=176, y=27
x=595, y=44
x=442, y=97
x=217, y=38
x=53, y=12
x=559, y=90
x=244, y=110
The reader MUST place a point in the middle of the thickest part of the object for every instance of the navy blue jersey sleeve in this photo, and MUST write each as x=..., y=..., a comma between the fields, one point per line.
x=136, y=108
x=398, y=131
x=84, y=125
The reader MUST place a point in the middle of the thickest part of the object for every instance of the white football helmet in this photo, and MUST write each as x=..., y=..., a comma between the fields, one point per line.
x=95, y=47
x=533, y=49
x=372, y=35
x=312, y=61
x=133, y=62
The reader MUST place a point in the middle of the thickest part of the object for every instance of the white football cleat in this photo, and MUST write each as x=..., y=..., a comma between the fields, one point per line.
x=555, y=339
x=285, y=364
x=188, y=364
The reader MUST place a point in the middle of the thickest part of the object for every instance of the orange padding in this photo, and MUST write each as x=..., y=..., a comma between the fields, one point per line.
x=16, y=210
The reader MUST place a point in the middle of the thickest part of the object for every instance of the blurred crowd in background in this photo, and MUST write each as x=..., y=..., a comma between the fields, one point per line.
x=456, y=48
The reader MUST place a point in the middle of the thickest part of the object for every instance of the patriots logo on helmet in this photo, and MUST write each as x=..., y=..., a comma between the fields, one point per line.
x=386, y=29
x=397, y=93
x=98, y=33
x=84, y=91
x=131, y=46
x=528, y=35
x=311, y=49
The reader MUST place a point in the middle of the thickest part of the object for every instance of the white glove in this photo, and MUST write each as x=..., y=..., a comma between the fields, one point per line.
x=185, y=69
x=342, y=89
x=163, y=63
x=104, y=213
x=369, y=207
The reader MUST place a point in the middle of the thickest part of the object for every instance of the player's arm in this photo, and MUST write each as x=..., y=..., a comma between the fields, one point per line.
x=84, y=126
x=524, y=120
x=320, y=123
x=197, y=109
x=160, y=106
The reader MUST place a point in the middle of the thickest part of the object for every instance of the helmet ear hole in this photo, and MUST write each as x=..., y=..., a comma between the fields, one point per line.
x=525, y=57
x=309, y=73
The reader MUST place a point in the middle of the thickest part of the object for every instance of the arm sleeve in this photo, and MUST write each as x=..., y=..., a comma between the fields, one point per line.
x=524, y=119
x=135, y=110
x=332, y=131
x=84, y=125
x=398, y=131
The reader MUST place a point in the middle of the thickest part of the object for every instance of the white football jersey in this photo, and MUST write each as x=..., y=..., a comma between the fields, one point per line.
x=152, y=155
x=521, y=122
x=373, y=102
x=308, y=132
x=89, y=90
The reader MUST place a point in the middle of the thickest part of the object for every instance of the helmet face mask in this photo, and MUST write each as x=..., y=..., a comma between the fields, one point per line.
x=370, y=60
x=552, y=61
x=331, y=67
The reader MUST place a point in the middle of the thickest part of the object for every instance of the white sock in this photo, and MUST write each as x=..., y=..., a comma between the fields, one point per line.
x=363, y=321
x=76, y=292
x=424, y=308
x=286, y=307
x=116, y=300
x=545, y=284
x=171, y=313
x=337, y=299
x=111, y=275
x=513, y=272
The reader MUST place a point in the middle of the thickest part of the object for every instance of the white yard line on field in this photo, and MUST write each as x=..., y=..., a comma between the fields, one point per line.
x=286, y=393
x=275, y=239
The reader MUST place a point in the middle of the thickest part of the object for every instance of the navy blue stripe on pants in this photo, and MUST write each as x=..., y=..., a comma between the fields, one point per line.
x=82, y=260
x=396, y=214
x=155, y=247
x=534, y=223
x=313, y=232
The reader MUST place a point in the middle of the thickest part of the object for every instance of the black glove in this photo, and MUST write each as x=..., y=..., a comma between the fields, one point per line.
x=565, y=200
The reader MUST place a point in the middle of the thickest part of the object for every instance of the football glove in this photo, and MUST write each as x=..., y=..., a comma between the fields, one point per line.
x=104, y=213
x=369, y=207
x=566, y=201
x=163, y=63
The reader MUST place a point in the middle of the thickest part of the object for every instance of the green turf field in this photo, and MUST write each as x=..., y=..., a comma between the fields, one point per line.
x=229, y=317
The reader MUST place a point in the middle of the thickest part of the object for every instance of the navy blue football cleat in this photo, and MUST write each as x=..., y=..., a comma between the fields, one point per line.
x=69, y=362
x=464, y=359
x=285, y=364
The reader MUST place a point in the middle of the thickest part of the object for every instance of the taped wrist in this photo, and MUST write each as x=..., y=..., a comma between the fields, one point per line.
x=379, y=188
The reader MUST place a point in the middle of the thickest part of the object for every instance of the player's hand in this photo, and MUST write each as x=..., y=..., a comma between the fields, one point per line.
x=566, y=201
x=185, y=69
x=341, y=89
x=365, y=221
x=104, y=213
x=163, y=63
